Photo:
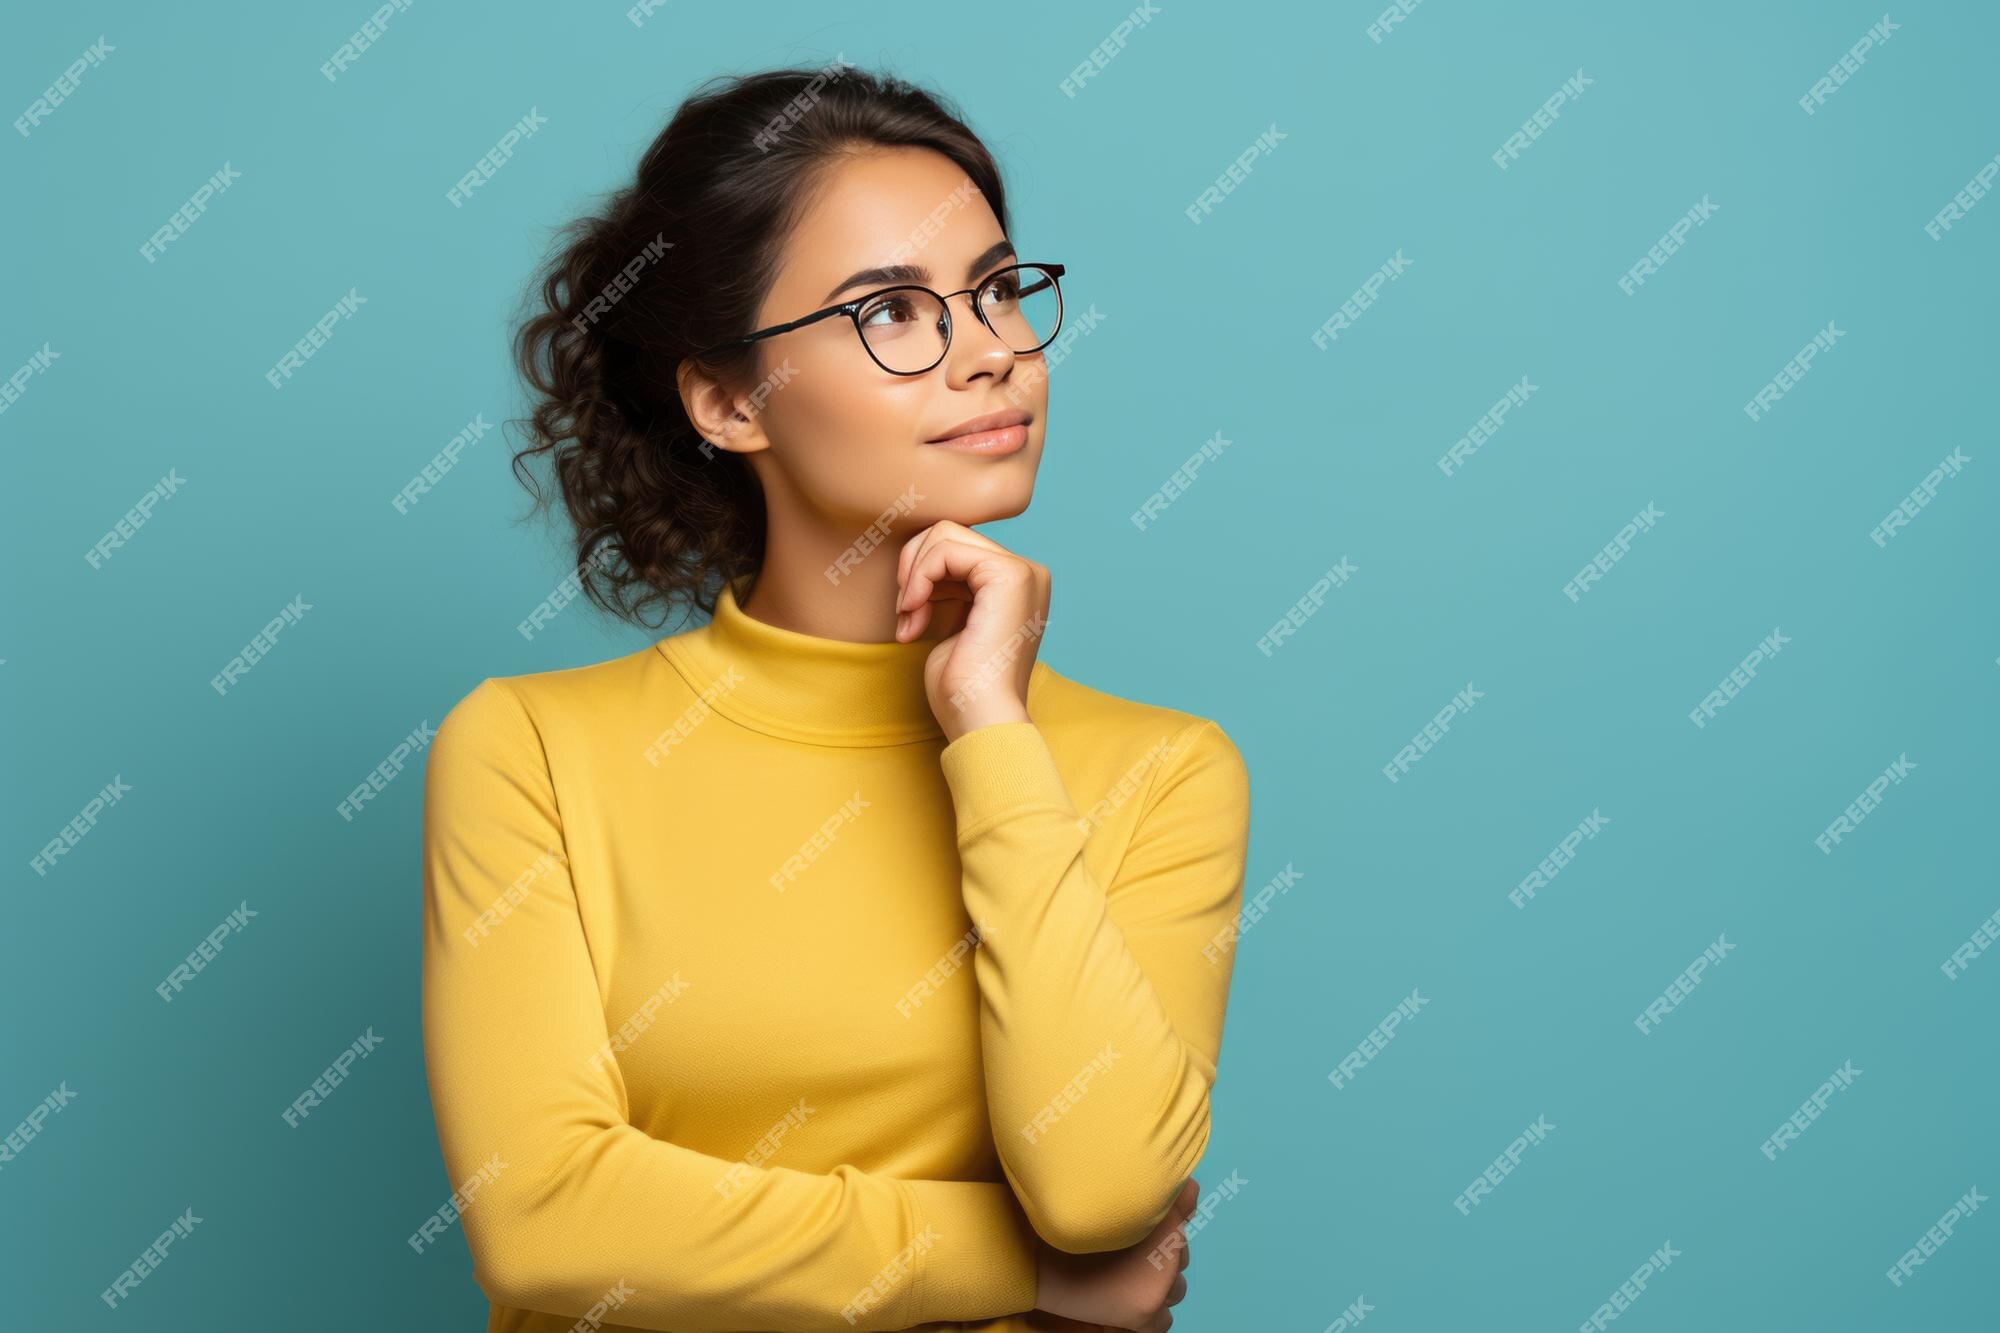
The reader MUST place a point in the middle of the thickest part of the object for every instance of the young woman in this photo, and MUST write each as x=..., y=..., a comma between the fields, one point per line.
x=835, y=964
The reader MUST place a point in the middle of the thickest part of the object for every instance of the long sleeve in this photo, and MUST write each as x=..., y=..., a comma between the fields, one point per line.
x=573, y=1200
x=1101, y=1004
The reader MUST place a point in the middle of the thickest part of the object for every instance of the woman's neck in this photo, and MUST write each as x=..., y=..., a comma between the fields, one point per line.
x=846, y=592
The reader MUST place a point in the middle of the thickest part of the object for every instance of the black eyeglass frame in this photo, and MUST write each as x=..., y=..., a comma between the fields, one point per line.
x=852, y=310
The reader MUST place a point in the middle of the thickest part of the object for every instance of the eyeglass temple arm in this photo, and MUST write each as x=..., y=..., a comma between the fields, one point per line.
x=776, y=329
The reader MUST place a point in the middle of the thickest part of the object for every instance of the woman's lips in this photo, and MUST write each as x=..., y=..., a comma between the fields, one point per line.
x=1005, y=440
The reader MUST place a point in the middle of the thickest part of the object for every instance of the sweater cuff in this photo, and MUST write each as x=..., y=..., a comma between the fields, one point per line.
x=977, y=1256
x=999, y=767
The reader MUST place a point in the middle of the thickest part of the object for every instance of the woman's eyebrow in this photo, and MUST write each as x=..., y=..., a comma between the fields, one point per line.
x=898, y=273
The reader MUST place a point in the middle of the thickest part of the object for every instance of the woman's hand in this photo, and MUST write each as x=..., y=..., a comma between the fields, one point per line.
x=992, y=606
x=1122, y=1288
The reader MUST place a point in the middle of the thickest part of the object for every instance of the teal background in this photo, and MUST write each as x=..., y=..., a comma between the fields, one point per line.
x=1205, y=328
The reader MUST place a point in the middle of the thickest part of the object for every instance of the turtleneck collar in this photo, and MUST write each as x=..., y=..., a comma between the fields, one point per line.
x=801, y=686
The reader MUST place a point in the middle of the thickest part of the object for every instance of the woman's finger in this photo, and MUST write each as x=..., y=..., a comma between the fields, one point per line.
x=942, y=530
x=977, y=567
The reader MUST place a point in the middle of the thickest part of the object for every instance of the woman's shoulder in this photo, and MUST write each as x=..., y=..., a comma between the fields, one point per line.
x=1083, y=719
x=1125, y=759
x=572, y=694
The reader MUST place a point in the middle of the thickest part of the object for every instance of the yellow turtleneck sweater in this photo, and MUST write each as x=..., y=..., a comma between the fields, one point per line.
x=749, y=1004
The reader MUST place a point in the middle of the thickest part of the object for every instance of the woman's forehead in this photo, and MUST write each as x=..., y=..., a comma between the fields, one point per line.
x=904, y=207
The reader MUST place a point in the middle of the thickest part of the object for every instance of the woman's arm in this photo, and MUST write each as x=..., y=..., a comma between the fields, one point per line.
x=572, y=1200
x=1101, y=1004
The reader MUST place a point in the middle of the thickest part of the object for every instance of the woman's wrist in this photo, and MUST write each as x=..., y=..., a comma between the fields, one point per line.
x=983, y=713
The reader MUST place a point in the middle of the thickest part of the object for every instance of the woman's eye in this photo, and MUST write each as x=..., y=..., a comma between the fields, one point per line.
x=1004, y=291
x=888, y=310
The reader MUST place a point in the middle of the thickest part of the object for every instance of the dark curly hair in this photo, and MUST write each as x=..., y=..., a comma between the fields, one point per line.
x=678, y=260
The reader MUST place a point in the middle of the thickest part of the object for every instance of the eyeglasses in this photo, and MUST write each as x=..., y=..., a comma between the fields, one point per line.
x=907, y=329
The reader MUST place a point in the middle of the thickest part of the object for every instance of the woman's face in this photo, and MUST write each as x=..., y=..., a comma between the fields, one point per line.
x=836, y=440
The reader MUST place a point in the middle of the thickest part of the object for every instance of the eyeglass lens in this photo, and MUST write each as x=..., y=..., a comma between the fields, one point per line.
x=904, y=328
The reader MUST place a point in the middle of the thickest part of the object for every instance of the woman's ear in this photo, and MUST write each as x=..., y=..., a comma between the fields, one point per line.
x=717, y=413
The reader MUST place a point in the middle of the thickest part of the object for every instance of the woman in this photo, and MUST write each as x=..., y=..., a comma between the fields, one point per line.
x=836, y=963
